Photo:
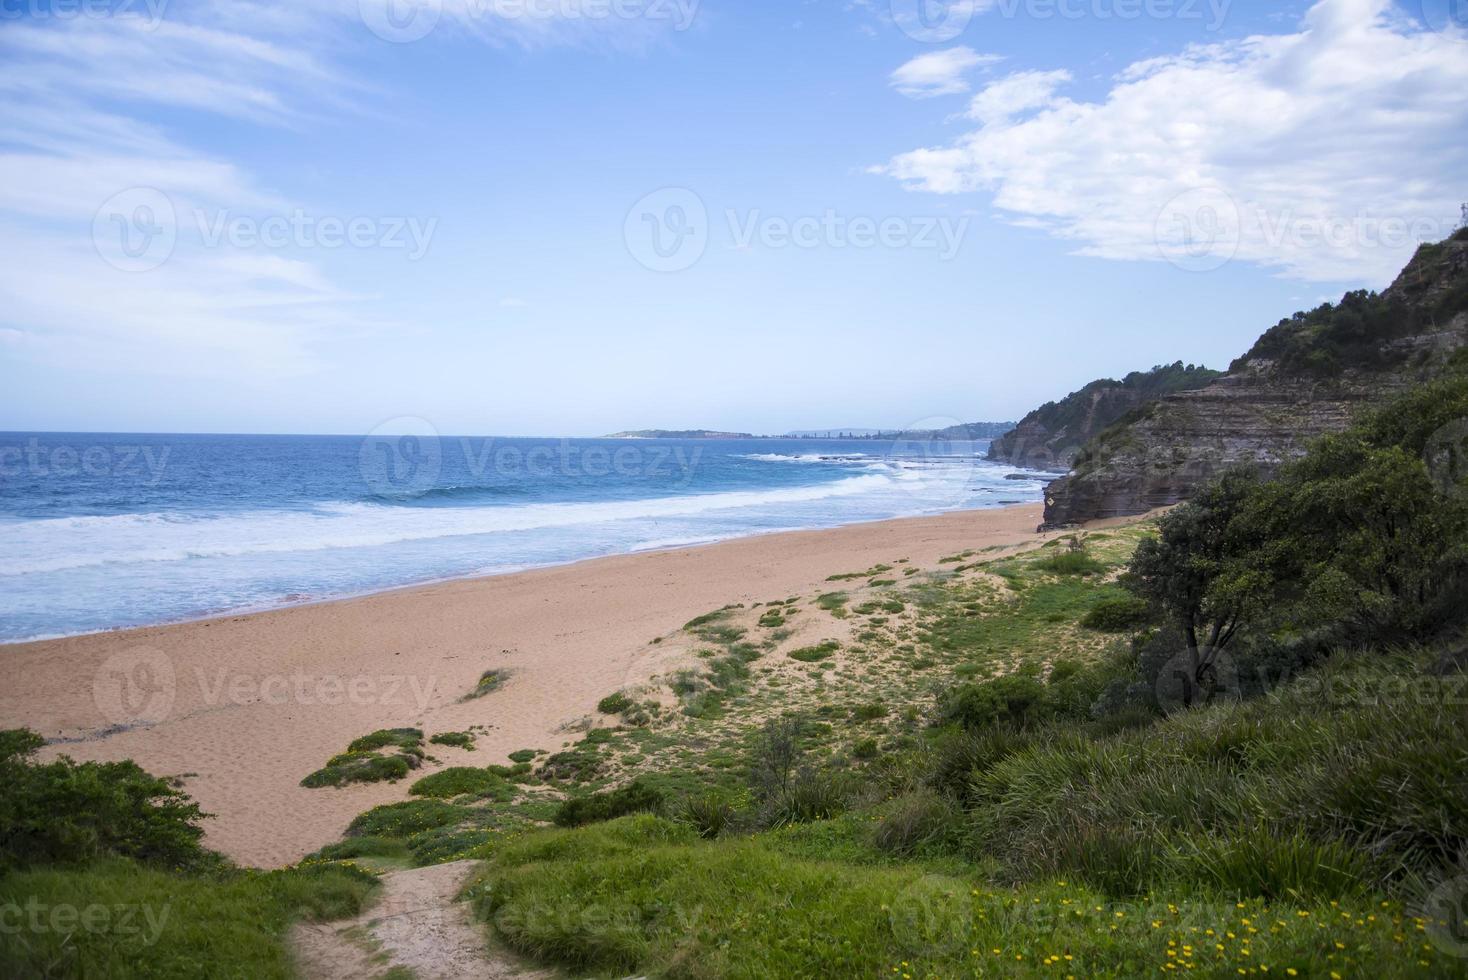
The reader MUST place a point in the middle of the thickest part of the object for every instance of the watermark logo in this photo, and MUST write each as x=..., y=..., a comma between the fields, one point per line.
x=1448, y=17
x=933, y=459
x=136, y=686
x=668, y=230
x=135, y=230
x=932, y=916
x=1446, y=455
x=402, y=457
x=138, y=229
x=1445, y=911
x=934, y=21
x=1192, y=679
x=1199, y=230
x=400, y=21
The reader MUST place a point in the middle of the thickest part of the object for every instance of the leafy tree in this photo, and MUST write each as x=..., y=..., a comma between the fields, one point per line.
x=65, y=812
x=1195, y=573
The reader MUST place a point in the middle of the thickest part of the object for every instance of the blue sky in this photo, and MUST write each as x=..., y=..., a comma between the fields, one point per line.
x=864, y=219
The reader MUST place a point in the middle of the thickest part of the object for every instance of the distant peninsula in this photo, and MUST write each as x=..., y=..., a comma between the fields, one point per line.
x=969, y=431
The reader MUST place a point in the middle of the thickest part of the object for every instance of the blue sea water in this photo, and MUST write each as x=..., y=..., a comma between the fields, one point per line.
x=99, y=531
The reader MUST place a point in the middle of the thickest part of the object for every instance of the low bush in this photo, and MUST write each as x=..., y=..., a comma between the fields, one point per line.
x=360, y=767
x=815, y=654
x=635, y=797
x=1117, y=614
x=464, y=781
x=460, y=740
x=614, y=704
x=917, y=822
x=1069, y=563
x=403, y=820
x=1007, y=700
x=709, y=813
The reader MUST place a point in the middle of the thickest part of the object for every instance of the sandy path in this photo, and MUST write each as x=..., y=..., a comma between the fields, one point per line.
x=417, y=923
x=243, y=707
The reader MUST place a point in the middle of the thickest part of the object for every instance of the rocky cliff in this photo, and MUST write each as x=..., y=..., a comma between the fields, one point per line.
x=1050, y=437
x=1307, y=376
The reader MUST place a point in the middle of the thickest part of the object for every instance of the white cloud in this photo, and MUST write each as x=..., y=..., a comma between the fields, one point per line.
x=88, y=102
x=939, y=72
x=1322, y=153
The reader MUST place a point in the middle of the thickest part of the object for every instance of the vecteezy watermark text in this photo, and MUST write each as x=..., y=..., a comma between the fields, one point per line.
x=405, y=21
x=142, y=686
x=670, y=229
x=137, y=229
x=406, y=456
x=147, y=12
x=939, y=21
x=35, y=916
x=37, y=459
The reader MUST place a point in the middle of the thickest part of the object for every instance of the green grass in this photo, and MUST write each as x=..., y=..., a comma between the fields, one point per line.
x=645, y=895
x=118, y=920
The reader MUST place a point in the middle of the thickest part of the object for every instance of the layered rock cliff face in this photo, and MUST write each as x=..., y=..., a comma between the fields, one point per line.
x=1306, y=377
x=1050, y=437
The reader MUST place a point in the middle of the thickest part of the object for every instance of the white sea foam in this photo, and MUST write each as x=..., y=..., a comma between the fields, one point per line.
x=80, y=542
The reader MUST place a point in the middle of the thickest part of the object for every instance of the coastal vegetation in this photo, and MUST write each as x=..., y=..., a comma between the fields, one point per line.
x=1229, y=740
x=102, y=875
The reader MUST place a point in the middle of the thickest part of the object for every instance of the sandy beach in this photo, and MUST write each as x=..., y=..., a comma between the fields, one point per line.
x=240, y=708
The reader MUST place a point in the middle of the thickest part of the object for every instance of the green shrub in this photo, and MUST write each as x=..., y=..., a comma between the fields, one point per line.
x=635, y=797
x=1117, y=615
x=407, y=739
x=864, y=748
x=68, y=813
x=522, y=755
x=443, y=844
x=870, y=711
x=709, y=813
x=359, y=767
x=464, y=781
x=360, y=847
x=402, y=820
x=811, y=794
x=1007, y=700
x=815, y=654
x=614, y=704
x=919, y=821
x=462, y=740
x=1070, y=563
x=489, y=682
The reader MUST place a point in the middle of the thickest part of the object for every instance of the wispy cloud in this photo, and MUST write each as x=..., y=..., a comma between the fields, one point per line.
x=110, y=217
x=1323, y=153
x=939, y=72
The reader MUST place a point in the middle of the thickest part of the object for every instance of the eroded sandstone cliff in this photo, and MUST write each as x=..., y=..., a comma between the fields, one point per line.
x=1307, y=376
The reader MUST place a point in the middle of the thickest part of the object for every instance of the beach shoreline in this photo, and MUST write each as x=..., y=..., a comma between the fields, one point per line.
x=239, y=708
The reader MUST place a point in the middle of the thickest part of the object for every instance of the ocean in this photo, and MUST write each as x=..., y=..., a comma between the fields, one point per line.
x=102, y=531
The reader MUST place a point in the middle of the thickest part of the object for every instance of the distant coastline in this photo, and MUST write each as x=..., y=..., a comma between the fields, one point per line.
x=966, y=432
